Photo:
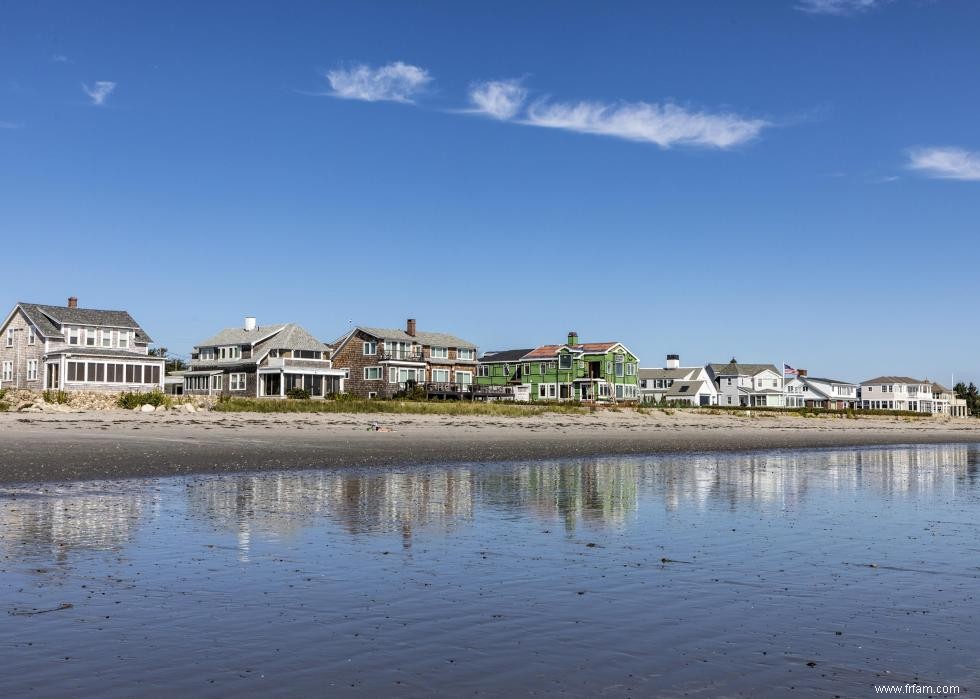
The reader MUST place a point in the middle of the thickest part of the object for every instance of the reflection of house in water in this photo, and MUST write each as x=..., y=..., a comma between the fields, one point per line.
x=280, y=504
x=783, y=479
x=36, y=524
x=598, y=493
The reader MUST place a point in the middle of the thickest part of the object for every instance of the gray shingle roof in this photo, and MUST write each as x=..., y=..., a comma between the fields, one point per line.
x=739, y=369
x=425, y=338
x=684, y=388
x=891, y=379
x=677, y=374
x=284, y=336
x=511, y=355
x=49, y=319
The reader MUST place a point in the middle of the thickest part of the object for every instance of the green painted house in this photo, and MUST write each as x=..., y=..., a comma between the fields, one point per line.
x=590, y=371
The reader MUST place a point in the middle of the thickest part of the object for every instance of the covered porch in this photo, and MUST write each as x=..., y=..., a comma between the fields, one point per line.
x=319, y=383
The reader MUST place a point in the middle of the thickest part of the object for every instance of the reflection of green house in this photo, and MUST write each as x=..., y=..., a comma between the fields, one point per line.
x=599, y=371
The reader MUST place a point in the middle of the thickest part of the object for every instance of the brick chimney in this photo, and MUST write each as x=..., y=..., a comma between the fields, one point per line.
x=572, y=337
x=72, y=302
x=410, y=327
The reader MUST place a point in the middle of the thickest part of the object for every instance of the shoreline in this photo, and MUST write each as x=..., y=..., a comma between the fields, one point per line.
x=40, y=448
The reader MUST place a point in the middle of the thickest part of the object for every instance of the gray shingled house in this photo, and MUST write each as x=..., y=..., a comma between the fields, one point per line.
x=68, y=348
x=262, y=361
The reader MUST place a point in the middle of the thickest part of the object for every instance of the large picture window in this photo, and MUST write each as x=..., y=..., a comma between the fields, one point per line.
x=236, y=382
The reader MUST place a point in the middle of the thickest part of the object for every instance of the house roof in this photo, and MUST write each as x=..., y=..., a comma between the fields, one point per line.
x=836, y=381
x=734, y=368
x=939, y=388
x=891, y=379
x=49, y=319
x=679, y=373
x=425, y=338
x=684, y=388
x=550, y=351
x=511, y=355
x=284, y=336
x=241, y=336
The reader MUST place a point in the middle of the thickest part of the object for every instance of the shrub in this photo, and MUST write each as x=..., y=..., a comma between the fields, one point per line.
x=297, y=393
x=129, y=400
x=59, y=397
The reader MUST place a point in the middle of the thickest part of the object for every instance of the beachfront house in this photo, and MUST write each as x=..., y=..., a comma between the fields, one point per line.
x=382, y=362
x=262, y=361
x=591, y=371
x=67, y=348
x=673, y=383
x=748, y=385
x=907, y=393
x=804, y=391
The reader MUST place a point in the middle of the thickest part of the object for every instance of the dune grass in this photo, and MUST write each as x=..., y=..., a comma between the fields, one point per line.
x=253, y=405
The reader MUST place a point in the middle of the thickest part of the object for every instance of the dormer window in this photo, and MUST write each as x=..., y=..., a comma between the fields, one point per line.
x=107, y=338
x=565, y=361
x=90, y=337
x=124, y=339
x=232, y=352
x=440, y=352
x=73, y=334
x=207, y=353
x=466, y=353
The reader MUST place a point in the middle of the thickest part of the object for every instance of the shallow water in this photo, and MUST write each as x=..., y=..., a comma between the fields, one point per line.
x=696, y=575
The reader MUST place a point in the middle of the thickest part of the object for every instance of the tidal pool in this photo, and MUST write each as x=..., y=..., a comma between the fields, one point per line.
x=816, y=573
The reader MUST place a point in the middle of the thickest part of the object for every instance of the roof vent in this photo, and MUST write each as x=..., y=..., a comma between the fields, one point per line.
x=249, y=323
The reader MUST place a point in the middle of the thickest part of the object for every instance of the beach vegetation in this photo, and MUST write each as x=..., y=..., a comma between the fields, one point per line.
x=129, y=400
x=56, y=397
x=362, y=405
x=297, y=393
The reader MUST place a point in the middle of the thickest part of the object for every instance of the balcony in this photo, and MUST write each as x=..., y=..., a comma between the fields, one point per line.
x=401, y=356
x=297, y=364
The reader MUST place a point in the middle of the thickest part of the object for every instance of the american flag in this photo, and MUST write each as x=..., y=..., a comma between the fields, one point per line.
x=787, y=369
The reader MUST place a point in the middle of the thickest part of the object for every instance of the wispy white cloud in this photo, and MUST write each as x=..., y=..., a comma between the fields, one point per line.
x=838, y=7
x=948, y=163
x=59, y=58
x=500, y=99
x=665, y=125
x=394, y=82
x=99, y=92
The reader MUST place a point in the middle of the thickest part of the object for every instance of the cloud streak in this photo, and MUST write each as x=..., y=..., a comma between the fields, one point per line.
x=394, y=82
x=838, y=7
x=499, y=99
x=99, y=92
x=665, y=125
x=9, y=125
x=946, y=163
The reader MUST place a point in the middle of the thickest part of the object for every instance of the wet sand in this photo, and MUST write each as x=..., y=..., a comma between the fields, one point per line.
x=78, y=446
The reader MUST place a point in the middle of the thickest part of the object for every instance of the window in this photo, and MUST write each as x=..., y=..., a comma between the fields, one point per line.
x=32, y=370
x=112, y=375
x=217, y=382
x=631, y=368
x=124, y=339
x=236, y=382
x=464, y=377
x=620, y=367
x=372, y=394
x=73, y=336
x=8, y=371
x=233, y=352
x=440, y=353
x=90, y=337
x=527, y=368
x=372, y=373
x=30, y=336
x=565, y=361
x=547, y=391
x=370, y=348
x=206, y=353
x=95, y=372
x=151, y=374
x=10, y=337
x=483, y=370
x=619, y=390
x=134, y=373
x=466, y=353
x=107, y=338
x=440, y=375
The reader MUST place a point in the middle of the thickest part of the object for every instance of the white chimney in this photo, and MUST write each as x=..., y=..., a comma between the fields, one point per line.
x=673, y=361
x=249, y=323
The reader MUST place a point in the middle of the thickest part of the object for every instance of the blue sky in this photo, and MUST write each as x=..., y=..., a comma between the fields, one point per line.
x=791, y=180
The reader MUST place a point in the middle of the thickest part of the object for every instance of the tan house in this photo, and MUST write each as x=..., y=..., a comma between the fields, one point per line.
x=68, y=348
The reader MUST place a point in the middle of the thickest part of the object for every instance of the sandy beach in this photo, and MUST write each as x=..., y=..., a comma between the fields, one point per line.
x=122, y=444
